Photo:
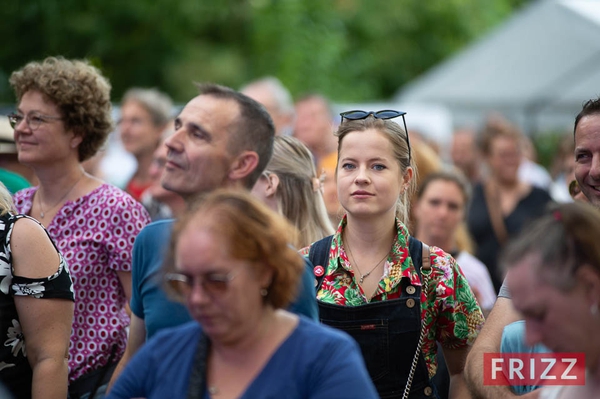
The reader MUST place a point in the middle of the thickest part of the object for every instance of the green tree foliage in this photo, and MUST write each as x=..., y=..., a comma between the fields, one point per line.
x=350, y=50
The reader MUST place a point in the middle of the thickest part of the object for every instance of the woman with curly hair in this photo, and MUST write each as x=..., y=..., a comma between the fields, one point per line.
x=62, y=119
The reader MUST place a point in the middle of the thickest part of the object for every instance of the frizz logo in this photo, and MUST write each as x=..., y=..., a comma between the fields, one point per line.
x=534, y=369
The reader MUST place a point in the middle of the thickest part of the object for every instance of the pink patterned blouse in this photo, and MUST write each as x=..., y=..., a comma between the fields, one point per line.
x=95, y=234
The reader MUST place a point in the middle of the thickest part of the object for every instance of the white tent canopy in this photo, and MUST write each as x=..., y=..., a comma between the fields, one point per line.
x=537, y=69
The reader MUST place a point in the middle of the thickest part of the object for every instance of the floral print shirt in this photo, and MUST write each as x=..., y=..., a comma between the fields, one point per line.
x=95, y=233
x=450, y=311
x=15, y=371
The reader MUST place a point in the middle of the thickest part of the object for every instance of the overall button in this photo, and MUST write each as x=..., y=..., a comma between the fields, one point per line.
x=410, y=290
x=428, y=391
x=410, y=303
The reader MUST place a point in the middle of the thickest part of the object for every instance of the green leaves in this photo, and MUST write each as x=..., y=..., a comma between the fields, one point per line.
x=349, y=50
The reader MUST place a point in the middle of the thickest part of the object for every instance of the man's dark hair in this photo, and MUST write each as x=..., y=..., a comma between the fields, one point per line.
x=590, y=107
x=252, y=131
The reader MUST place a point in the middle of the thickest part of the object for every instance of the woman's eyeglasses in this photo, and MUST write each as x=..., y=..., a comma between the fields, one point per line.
x=213, y=284
x=383, y=114
x=33, y=119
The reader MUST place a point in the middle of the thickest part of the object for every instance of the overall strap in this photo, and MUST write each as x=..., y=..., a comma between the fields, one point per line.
x=319, y=256
x=421, y=258
x=416, y=254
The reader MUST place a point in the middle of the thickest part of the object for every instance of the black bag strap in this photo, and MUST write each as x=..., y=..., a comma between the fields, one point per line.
x=197, y=384
x=319, y=255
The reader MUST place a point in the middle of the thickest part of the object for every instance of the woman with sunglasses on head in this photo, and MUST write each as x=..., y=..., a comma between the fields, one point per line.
x=62, y=119
x=373, y=280
x=233, y=267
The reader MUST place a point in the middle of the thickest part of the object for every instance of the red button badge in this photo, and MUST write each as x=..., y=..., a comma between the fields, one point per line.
x=319, y=270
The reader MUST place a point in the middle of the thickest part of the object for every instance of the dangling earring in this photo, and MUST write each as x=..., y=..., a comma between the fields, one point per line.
x=263, y=292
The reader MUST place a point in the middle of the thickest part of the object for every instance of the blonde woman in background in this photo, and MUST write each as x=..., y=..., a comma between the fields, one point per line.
x=290, y=186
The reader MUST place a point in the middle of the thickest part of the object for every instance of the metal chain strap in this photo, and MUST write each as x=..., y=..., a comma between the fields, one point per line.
x=413, y=366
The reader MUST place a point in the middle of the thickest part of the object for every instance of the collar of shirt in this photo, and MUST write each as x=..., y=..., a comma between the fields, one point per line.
x=398, y=264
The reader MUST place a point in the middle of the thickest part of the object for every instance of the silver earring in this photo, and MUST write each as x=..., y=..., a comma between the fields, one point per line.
x=263, y=292
x=594, y=309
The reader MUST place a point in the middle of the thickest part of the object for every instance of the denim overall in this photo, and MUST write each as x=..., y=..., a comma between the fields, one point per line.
x=386, y=331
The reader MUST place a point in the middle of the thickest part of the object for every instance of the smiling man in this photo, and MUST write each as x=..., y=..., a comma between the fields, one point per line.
x=587, y=150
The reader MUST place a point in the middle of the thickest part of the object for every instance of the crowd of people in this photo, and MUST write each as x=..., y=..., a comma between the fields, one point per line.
x=263, y=248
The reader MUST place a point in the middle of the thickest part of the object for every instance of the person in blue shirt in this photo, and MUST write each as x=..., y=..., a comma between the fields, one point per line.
x=222, y=139
x=513, y=341
x=232, y=266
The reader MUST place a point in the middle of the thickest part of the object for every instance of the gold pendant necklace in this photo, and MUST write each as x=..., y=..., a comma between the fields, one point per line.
x=42, y=213
x=363, y=276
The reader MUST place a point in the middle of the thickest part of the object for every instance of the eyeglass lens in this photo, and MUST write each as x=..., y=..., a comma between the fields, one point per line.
x=213, y=284
x=33, y=120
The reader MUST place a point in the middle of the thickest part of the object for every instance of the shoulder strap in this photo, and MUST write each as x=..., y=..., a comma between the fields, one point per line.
x=319, y=255
x=426, y=256
x=491, y=200
x=420, y=254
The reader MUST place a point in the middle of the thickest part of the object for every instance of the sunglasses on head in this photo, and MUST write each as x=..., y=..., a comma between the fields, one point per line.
x=383, y=114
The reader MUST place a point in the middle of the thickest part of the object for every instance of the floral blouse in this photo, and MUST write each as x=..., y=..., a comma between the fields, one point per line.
x=450, y=312
x=15, y=371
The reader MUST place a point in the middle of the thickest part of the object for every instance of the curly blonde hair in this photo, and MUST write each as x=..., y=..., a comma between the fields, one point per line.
x=80, y=91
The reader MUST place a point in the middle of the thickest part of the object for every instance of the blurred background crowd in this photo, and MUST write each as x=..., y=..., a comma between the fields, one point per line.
x=490, y=91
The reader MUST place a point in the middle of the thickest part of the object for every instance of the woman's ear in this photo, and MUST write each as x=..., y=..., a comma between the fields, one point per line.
x=266, y=278
x=272, y=184
x=76, y=140
x=406, y=178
